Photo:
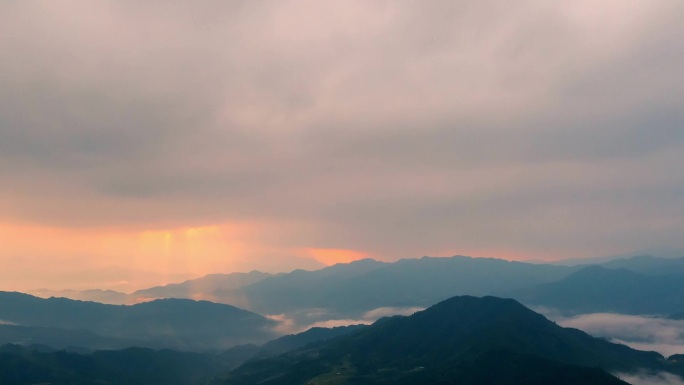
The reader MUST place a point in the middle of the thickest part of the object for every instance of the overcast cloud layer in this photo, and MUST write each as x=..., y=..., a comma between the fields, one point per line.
x=396, y=128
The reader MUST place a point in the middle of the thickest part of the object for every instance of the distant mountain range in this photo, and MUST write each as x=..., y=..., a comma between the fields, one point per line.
x=358, y=286
x=169, y=323
x=646, y=264
x=354, y=288
x=221, y=288
x=636, y=285
x=463, y=340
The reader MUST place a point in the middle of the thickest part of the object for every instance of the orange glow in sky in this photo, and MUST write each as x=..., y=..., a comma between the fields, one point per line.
x=38, y=256
x=333, y=256
x=34, y=256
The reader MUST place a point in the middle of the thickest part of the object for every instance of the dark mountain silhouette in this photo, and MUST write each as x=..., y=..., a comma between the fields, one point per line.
x=599, y=289
x=33, y=361
x=62, y=338
x=169, y=323
x=463, y=340
x=133, y=366
x=676, y=358
x=294, y=341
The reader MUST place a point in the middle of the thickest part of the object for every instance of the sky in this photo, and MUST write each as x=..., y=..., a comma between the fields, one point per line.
x=147, y=142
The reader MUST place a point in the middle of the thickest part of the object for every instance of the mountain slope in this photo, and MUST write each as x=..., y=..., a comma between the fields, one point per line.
x=350, y=289
x=169, y=323
x=456, y=339
x=599, y=289
x=61, y=338
x=646, y=264
x=294, y=341
x=303, y=289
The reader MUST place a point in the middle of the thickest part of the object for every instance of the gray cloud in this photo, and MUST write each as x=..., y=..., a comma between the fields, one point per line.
x=398, y=128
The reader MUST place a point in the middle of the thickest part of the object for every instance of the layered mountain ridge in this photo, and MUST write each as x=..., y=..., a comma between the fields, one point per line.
x=461, y=340
x=167, y=323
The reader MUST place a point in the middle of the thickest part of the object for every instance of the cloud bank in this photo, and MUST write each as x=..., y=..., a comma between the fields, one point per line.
x=664, y=336
x=394, y=128
x=304, y=320
x=651, y=379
